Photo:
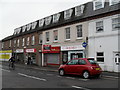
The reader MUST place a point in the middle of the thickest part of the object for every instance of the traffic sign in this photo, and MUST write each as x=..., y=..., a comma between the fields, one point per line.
x=84, y=44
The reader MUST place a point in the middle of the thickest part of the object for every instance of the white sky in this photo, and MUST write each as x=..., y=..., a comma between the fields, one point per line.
x=16, y=13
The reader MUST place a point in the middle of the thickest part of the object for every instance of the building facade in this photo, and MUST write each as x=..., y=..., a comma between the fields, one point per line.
x=83, y=31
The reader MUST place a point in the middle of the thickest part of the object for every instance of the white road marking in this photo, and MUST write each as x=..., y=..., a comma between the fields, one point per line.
x=5, y=70
x=70, y=77
x=84, y=79
x=80, y=88
x=110, y=77
x=32, y=77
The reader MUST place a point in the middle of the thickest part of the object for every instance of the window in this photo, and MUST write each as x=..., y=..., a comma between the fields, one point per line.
x=47, y=36
x=112, y=2
x=55, y=34
x=79, y=31
x=48, y=20
x=14, y=43
x=23, y=42
x=56, y=17
x=79, y=10
x=73, y=62
x=98, y=4
x=10, y=43
x=67, y=32
x=33, y=40
x=116, y=23
x=99, y=26
x=18, y=42
x=2, y=44
x=68, y=13
x=40, y=38
x=82, y=62
x=100, y=56
x=28, y=40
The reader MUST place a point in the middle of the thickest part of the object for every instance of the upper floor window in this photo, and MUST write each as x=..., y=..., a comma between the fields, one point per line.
x=28, y=40
x=68, y=13
x=14, y=43
x=79, y=10
x=67, y=32
x=10, y=43
x=18, y=42
x=23, y=42
x=55, y=34
x=33, y=40
x=40, y=38
x=79, y=31
x=116, y=23
x=47, y=37
x=48, y=20
x=2, y=44
x=112, y=2
x=99, y=26
x=98, y=4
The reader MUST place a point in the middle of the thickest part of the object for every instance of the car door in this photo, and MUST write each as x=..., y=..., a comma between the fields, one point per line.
x=82, y=66
x=71, y=66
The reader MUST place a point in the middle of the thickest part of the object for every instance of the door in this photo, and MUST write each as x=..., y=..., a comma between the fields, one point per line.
x=116, y=61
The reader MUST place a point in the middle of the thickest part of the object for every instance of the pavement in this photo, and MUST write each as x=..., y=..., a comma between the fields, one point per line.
x=55, y=69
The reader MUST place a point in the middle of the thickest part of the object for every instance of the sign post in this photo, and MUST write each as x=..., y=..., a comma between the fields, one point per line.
x=84, y=44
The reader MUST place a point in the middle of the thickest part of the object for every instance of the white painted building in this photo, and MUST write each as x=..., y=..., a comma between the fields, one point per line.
x=103, y=41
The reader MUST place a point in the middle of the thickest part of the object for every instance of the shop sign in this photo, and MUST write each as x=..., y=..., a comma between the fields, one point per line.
x=50, y=49
x=19, y=50
x=30, y=50
x=75, y=47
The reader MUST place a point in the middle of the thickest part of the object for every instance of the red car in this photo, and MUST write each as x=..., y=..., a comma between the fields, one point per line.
x=85, y=67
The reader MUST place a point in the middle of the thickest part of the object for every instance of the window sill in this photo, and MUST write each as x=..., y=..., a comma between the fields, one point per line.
x=79, y=38
x=47, y=42
x=56, y=41
x=67, y=40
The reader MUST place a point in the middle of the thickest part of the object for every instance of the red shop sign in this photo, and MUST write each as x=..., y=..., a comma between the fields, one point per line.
x=46, y=48
x=55, y=50
x=30, y=50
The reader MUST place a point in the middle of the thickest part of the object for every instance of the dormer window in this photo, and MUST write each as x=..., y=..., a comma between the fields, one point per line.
x=79, y=10
x=28, y=27
x=112, y=2
x=48, y=20
x=41, y=22
x=68, y=13
x=56, y=17
x=98, y=4
x=34, y=24
x=23, y=28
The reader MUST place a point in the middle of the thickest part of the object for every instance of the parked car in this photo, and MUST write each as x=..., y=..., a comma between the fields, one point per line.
x=85, y=67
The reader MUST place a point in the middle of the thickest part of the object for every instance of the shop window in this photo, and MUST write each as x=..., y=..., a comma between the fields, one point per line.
x=67, y=32
x=47, y=36
x=100, y=56
x=79, y=31
x=98, y=4
x=112, y=2
x=99, y=26
x=55, y=32
x=116, y=23
x=65, y=57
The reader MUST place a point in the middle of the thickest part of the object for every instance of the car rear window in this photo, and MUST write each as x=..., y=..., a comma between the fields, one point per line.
x=92, y=61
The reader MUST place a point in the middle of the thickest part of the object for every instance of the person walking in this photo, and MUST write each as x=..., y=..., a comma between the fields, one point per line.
x=29, y=60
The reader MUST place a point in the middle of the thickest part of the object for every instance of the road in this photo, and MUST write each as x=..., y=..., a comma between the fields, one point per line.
x=32, y=78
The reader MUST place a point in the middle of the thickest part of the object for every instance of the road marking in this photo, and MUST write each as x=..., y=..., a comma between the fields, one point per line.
x=59, y=76
x=80, y=88
x=84, y=79
x=111, y=77
x=70, y=77
x=5, y=70
x=32, y=77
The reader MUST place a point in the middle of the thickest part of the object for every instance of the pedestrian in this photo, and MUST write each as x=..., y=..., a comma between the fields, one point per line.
x=29, y=60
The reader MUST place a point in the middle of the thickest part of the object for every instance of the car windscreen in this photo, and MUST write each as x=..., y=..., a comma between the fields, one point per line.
x=92, y=61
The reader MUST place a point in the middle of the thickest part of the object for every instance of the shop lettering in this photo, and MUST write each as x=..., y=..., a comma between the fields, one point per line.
x=30, y=50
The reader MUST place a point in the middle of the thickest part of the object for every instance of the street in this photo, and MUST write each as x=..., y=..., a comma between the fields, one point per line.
x=33, y=78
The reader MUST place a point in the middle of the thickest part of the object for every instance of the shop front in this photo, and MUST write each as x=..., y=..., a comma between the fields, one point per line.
x=71, y=52
x=19, y=55
x=32, y=53
x=5, y=55
x=51, y=55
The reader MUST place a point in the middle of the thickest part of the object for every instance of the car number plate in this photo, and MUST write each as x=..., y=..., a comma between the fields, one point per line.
x=97, y=68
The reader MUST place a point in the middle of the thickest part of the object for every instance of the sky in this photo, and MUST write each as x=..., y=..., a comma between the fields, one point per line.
x=16, y=13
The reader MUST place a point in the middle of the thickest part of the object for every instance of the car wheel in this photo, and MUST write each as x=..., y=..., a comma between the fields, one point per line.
x=86, y=74
x=61, y=72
